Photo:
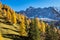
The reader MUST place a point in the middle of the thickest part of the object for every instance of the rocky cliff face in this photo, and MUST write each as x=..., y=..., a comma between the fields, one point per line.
x=47, y=12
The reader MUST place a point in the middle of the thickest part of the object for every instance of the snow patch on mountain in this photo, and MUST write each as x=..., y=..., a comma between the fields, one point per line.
x=47, y=19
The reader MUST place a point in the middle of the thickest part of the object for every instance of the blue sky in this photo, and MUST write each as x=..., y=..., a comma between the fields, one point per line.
x=18, y=5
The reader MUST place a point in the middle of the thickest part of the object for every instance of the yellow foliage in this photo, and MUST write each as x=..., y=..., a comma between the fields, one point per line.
x=55, y=29
x=46, y=25
x=5, y=13
x=14, y=20
x=6, y=7
x=0, y=14
x=28, y=21
x=1, y=5
x=1, y=38
x=8, y=14
x=13, y=17
x=38, y=23
x=43, y=27
x=22, y=26
x=17, y=16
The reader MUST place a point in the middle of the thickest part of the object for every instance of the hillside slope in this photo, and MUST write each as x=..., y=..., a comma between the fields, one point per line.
x=14, y=26
x=11, y=23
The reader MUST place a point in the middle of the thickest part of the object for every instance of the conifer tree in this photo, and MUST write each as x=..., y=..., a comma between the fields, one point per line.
x=42, y=26
x=1, y=5
x=0, y=9
x=51, y=34
x=38, y=23
x=13, y=15
x=34, y=30
x=6, y=7
x=47, y=37
x=22, y=26
x=0, y=13
x=1, y=38
x=5, y=12
x=28, y=21
x=8, y=15
x=46, y=24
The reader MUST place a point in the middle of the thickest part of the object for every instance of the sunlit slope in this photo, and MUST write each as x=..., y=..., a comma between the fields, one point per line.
x=14, y=25
x=10, y=23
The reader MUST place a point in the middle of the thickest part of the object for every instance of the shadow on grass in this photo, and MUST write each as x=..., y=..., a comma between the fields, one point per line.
x=10, y=29
x=15, y=37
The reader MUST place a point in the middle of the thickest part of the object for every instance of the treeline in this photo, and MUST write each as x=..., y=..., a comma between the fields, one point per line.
x=32, y=29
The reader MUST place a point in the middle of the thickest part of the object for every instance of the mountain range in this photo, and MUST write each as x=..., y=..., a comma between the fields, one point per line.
x=48, y=13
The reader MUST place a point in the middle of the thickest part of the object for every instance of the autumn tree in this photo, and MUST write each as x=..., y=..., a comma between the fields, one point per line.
x=0, y=9
x=34, y=32
x=4, y=12
x=42, y=26
x=51, y=34
x=0, y=13
x=22, y=25
x=27, y=23
x=46, y=24
x=6, y=7
x=1, y=38
x=1, y=5
x=38, y=23
x=47, y=37
x=13, y=15
x=8, y=15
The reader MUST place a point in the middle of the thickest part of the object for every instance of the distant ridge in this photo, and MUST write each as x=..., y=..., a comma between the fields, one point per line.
x=48, y=12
